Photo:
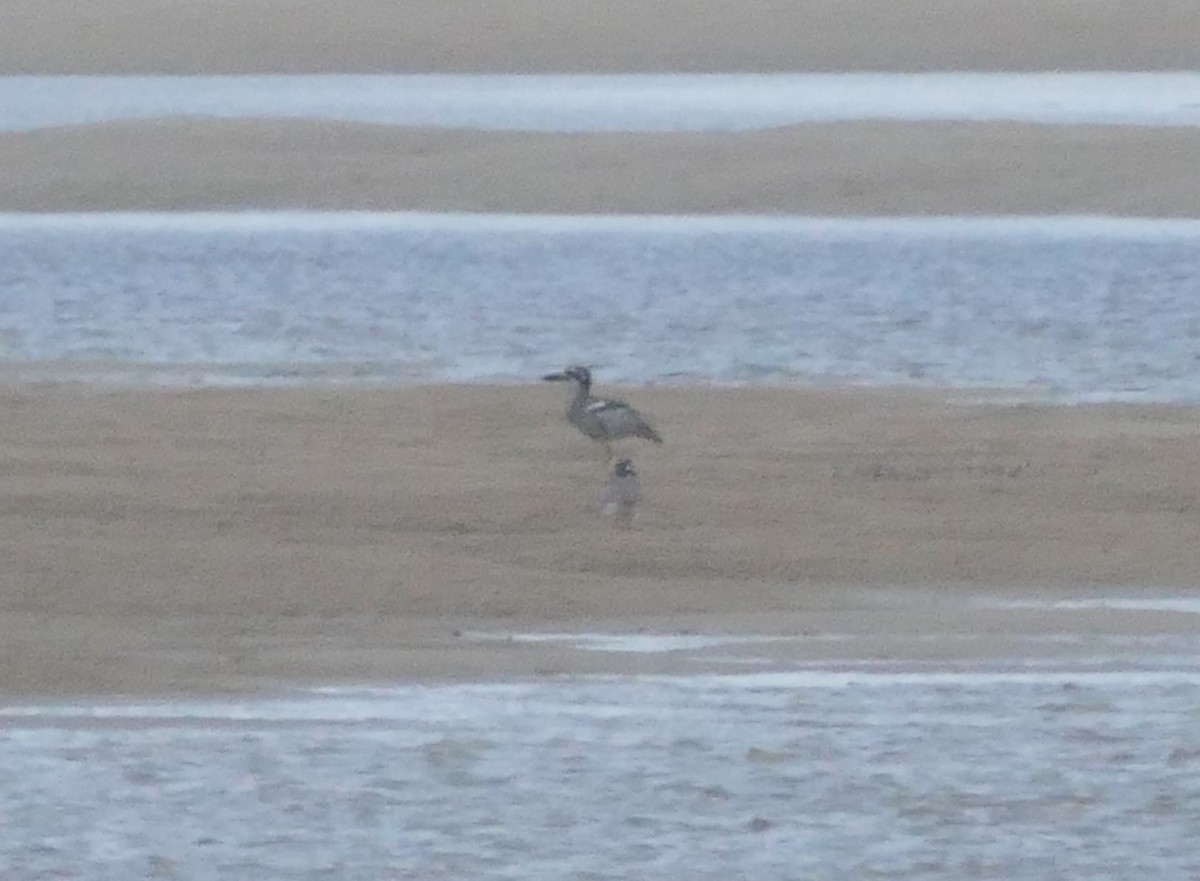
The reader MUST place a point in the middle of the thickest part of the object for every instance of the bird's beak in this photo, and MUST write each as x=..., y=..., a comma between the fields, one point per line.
x=556, y=377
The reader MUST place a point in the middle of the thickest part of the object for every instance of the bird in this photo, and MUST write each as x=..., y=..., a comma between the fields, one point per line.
x=622, y=493
x=602, y=419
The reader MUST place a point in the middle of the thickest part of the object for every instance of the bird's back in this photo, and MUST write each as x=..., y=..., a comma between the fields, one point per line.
x=609, y=419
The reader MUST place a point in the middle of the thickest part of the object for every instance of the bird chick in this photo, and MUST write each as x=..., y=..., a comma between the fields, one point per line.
x=622, y=493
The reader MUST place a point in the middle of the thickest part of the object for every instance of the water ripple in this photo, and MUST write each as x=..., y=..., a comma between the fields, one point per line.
x=938, y=777
x=1079, y=308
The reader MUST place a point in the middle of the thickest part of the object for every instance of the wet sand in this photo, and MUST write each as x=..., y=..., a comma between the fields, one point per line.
x=215, y=540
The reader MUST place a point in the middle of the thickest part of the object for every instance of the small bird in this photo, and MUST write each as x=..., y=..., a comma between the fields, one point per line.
x=622, y=493
x=602, y=419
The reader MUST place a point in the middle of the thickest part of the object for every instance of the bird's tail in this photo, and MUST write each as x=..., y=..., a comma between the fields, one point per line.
x=650, y=434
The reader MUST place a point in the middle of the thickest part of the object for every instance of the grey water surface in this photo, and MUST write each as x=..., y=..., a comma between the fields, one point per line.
x=614, y=102
x=1016, y=772
x=1074, y=308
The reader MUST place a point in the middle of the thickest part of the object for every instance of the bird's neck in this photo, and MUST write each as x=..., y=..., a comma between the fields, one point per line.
x=579, y=393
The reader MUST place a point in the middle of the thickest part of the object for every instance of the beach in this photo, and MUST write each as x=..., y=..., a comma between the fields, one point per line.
x=866, y=168
x=221, y=540
x=213, y=540
x=303, y=568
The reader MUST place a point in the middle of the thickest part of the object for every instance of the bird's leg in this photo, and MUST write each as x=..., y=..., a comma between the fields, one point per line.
x=608, y=453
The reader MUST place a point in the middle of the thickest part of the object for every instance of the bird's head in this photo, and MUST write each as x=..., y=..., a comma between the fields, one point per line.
x=579, y=375
x=624, y=468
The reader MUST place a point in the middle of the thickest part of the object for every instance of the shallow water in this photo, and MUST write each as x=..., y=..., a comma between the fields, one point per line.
x=715, y=102
x=1074, y=308
x=1007, y=772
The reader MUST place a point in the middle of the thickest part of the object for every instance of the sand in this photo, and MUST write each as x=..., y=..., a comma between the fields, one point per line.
x=175, y=542
x=212, y=540
x=849, y=168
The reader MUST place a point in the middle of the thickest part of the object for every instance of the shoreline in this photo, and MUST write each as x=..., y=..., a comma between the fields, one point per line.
x=880, y=630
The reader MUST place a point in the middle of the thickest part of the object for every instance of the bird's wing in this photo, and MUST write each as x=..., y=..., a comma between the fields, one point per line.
x=617, y=417
x=603, y=405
